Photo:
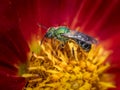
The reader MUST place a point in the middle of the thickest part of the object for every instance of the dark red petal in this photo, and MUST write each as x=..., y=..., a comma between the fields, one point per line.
x=13, y=47
x=13, y=43
x=11, y=82
x=13, y=52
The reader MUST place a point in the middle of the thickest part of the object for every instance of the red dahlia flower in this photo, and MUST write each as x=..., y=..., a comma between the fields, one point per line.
x=21, y=53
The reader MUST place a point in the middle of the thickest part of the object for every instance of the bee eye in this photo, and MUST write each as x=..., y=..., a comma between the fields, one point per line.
x=49, y=35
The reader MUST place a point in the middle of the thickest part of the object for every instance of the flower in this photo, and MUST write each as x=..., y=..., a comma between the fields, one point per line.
x=67, y=68
x=19, y=21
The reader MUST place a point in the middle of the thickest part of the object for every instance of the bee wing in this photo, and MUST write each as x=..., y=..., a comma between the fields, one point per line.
x=80, y=36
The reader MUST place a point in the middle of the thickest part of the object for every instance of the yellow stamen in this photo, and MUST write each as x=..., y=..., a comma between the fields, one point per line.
x=68, y=68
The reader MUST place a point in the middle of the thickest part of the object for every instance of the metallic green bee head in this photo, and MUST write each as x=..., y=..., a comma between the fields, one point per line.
x=50, y=32
x=56, y=32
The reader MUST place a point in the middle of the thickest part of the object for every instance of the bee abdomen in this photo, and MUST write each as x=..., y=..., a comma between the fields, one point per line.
x=84, y=45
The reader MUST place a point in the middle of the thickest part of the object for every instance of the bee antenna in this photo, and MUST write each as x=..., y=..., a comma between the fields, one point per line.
x=42, y=40
x=42, y=26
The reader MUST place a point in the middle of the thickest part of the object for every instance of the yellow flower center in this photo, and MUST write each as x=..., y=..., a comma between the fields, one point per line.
x=67, y=67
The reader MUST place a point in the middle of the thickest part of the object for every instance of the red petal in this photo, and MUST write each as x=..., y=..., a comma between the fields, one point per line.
x=11, y=83
x=13, y=48
x=99, y=18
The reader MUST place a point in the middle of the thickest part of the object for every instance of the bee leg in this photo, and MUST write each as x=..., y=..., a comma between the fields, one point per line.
x=61, y=46
x=53, y=42
x=73, y=53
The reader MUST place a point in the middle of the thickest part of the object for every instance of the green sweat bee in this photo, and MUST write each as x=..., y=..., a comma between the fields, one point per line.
x=63, y=34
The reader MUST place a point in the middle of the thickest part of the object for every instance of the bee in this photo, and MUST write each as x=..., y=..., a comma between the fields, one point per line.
x=63, y=34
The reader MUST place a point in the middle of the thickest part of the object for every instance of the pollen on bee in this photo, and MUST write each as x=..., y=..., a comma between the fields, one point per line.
x=68, y=68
